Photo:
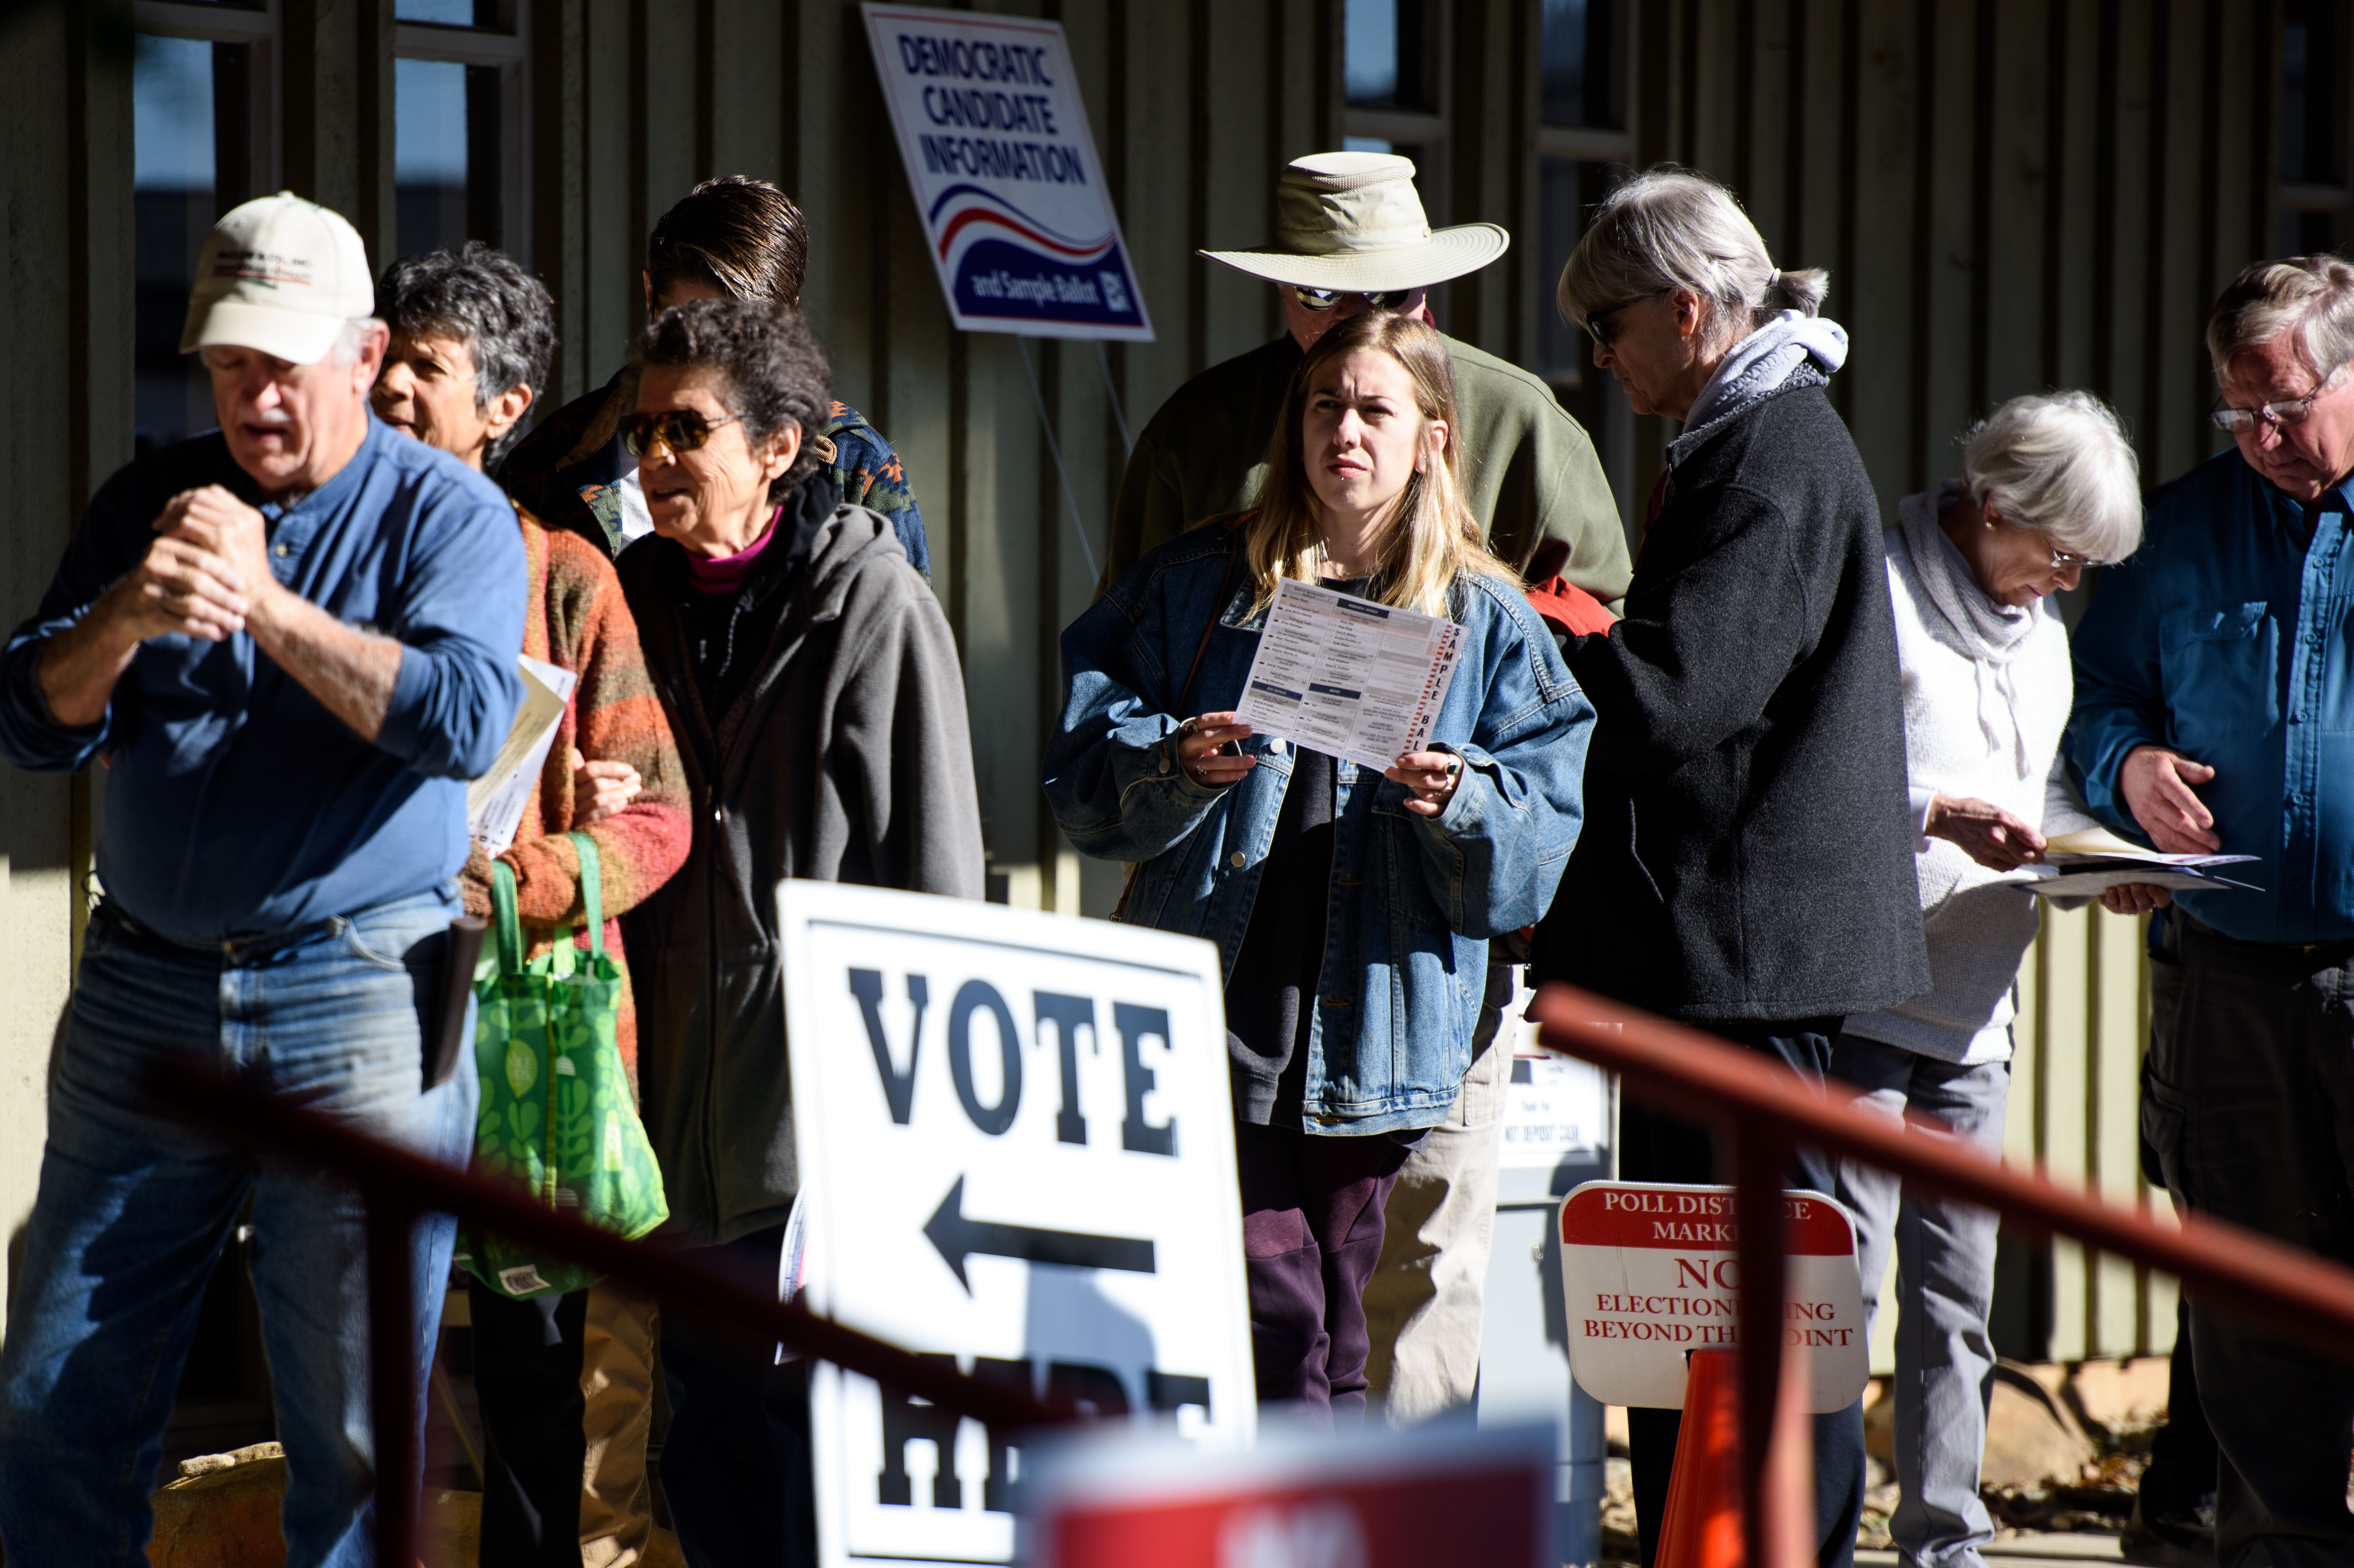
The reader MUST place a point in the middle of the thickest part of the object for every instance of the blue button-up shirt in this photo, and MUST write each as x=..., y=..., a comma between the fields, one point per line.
x=2229, y=639
x=237, y=804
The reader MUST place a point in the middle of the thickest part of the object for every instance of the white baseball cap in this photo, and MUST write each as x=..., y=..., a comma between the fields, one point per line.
x=281, y=275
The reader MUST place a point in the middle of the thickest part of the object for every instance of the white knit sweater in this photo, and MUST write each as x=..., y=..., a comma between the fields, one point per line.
x=1987, y=693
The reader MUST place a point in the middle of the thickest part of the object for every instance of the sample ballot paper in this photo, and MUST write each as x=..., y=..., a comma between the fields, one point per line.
x=1348, y=677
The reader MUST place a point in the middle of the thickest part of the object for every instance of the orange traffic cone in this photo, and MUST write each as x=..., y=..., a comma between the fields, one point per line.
x=1700, y=1526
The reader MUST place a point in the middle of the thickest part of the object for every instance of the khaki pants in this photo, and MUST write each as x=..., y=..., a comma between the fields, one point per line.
x=617, y=1395
x=1425, y=1303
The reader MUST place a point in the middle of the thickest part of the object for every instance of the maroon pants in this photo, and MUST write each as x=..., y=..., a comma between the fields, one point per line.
x=1312, y=1234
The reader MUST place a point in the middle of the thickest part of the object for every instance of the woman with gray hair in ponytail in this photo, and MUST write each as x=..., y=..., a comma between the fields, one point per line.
x=1746, y=864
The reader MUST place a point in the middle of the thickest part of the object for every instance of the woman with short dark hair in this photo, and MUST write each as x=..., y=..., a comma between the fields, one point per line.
x=472, y=336
x=813, y=687
x=733, y=237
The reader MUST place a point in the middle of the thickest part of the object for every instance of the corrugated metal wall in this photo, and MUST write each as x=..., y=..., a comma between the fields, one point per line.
x=2010, y=195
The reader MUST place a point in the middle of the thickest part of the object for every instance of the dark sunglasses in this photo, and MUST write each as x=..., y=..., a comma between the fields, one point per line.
x=680, y=430
x=1598, y=326
x=1322, y=300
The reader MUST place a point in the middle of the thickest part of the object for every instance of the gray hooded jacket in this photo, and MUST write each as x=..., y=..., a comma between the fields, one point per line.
x=846, y=758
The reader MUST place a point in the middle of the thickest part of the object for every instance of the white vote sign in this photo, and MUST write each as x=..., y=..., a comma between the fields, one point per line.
x=1648, y=1276
x=994, y=134
x=1016, y=1149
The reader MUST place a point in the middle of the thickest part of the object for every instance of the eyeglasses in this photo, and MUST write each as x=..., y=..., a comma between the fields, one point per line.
x=1322, y=300
x=2290, y=412
x=1597, y=322
x=680, y=430
x=2061, y=560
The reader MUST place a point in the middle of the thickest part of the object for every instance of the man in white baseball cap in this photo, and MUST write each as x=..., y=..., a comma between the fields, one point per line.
x=1351, y=235
x=292, y=639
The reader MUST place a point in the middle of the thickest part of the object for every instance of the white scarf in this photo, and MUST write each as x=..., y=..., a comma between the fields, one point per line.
x=1991, y=635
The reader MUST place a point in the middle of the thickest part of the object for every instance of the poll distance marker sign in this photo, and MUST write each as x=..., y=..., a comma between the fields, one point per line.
x=1648, y=1275
x=1016, y=1150
x=994, y=138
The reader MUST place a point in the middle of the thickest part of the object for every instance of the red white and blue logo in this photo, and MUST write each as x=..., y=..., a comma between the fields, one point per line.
x=994, y=138
x=1004, y=263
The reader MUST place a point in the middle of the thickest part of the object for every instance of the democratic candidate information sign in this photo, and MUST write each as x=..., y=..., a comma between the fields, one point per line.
x=995, y=140
x=1016, y=1149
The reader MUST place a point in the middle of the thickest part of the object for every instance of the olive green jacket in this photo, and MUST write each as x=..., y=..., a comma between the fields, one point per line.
x=1530, y=472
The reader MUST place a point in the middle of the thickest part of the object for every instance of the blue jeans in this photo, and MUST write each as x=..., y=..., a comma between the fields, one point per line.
x=1944, y=1290
x=133, y=1210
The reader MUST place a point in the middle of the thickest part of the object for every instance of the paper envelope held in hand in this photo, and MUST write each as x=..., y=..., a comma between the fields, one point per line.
x=494, y=802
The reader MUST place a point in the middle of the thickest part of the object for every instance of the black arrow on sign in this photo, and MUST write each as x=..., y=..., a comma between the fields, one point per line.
x=958, y=1238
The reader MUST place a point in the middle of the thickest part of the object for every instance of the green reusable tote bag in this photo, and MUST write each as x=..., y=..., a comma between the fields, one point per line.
x=557, y=1117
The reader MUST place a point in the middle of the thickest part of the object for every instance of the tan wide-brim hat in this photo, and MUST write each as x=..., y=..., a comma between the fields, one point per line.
x=1353, y=222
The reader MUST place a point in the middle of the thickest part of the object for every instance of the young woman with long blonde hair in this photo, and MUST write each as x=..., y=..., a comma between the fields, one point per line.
x=1351, y=907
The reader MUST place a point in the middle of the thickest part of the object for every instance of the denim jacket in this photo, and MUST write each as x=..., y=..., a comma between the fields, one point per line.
x=1413, y=900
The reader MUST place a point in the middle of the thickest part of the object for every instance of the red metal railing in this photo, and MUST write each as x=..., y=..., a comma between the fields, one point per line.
x=1764, y=1111
x=399, y=1186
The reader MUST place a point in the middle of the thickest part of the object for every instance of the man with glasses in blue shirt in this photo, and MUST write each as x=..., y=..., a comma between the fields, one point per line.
x=291, y=641
x=2215, y=711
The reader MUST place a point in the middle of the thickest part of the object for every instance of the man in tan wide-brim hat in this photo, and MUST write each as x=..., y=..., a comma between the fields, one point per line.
x=1351, y=235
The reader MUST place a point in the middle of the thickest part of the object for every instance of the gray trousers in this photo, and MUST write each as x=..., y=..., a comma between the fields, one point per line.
x=2248, y=1102
x=1945, y=1288
x=1427, y=1299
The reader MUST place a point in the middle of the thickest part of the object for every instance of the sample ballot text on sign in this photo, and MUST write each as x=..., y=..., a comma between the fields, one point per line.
x=1649, y=1275
x=994, y=137
x=1016, y=1149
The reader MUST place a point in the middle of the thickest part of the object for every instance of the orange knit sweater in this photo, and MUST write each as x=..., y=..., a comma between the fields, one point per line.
x=577, y=620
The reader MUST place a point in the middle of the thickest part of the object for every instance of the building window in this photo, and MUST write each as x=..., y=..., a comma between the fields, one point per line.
x=2315, y=197
x=1560, y=210
x=1584, y=146
x=1394, y=67
x=203, y=140
x=1577, y=64
x=1583, y=149
x=458, y=125
x=1392, y=58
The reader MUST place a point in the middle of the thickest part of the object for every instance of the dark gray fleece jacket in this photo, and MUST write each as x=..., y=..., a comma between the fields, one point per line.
x=1748, y=851
x=843, y=758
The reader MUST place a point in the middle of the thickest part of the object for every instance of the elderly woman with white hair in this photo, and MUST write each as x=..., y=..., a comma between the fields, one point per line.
x=2048, y=487
x=1746, y=864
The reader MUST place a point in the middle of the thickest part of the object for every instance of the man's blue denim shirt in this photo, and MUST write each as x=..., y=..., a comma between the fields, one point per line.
x=2230, y=640
x=237, y=804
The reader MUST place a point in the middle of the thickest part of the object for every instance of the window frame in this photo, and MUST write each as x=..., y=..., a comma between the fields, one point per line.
x=2336, y=199
x=505, y=47
x=1585, y=144
x=262, y=29
x=1423, y=130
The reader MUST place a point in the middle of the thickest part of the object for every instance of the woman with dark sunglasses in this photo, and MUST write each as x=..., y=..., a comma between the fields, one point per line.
x=812, y=684
x=1747, y=866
